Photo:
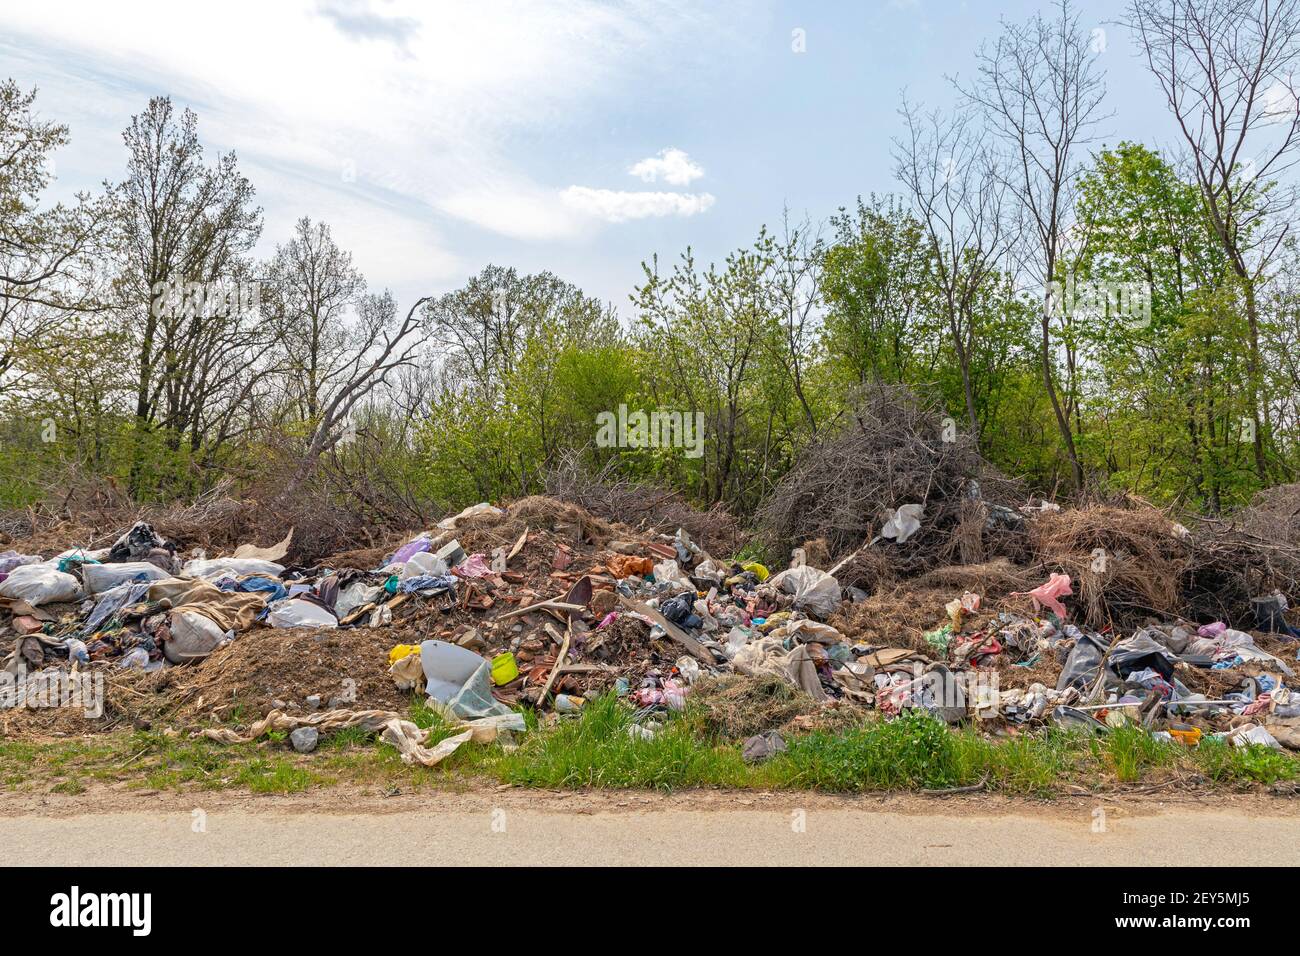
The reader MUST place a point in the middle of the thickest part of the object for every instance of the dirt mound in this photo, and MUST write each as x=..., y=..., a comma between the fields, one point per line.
x=244, y=678
x=899, y=616
x=990, y=579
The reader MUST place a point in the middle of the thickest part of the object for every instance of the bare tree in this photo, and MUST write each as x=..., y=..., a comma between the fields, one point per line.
x=390, y=344
x=310, y=291
x=1226, y=68
x=957, y=190
x=185, y=229
x=1041, y=89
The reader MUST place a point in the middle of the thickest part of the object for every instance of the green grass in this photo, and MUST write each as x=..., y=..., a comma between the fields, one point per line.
x=912, y=752
x=599, y=749
x=1224, y=763
x=278, y=775
x=1131, y=752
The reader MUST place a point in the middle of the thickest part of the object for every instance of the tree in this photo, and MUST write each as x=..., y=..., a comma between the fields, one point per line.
x=388, y=345
x=1040, y=88
x=47, y=276
x=880, y=322
x=957, y=192
x=794, y=286
x=184, y=229
x=1168, y=382
x=508, y=343
x=1227, y=70
x=706, y=331
x=311, y=290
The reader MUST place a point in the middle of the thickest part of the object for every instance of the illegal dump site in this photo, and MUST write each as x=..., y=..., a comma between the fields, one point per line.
x=898, y=617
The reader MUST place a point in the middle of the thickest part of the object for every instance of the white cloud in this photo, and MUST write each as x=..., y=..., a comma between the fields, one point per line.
x=614, y=205
x=432, y=108
x=673, y=165
x=1279, y=102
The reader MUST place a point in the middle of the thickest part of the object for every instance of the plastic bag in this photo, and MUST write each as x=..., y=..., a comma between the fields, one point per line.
x=40, y=584
x=1049, y=594
x=99, y=578
x=473, y=511
x=238, y=567
x=193, y=637
x=423, y=563
x=298, y=613
x=814, y=590
x=903, y=523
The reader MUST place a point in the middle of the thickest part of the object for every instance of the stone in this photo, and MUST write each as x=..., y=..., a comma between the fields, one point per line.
x=26, y=624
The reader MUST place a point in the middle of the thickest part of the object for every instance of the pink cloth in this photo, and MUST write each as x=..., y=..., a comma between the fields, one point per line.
x=1049, y=595
x=475, y=566
x=1212, y=630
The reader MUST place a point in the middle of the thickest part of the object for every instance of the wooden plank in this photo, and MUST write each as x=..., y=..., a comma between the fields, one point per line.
x=697, y=649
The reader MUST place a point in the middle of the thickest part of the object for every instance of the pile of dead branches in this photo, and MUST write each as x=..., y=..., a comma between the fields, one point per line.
x=895, y=449
x=641, y=505
x=1274, y=515
x=1126, y=564
x=1228, y=566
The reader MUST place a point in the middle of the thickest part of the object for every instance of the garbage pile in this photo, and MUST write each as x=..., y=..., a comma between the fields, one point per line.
x=540, y=605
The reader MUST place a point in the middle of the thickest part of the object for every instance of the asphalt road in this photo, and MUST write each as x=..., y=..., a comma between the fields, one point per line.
x=775, y=834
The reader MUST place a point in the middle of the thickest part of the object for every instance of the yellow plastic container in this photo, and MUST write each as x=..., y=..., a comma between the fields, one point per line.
x=504, y=668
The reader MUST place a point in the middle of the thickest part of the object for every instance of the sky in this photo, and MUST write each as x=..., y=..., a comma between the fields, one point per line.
x=577, y=136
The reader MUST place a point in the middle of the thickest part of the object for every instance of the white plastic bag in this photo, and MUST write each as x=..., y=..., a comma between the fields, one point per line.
x=297, y=613
x=237, y=567
x=423, y=562
x=193, y=637
x=39, y=584
x=814, y=590
x=670, y=570
x=353, y=596
x=904, y=523
x=99, y=578
x=482, y=508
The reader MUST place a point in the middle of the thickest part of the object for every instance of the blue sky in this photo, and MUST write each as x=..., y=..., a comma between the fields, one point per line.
x=573, y=135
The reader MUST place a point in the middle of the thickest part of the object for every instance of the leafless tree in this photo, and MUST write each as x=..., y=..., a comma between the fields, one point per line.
x=311, y=290
x=183, y=226
x=957, y=190
x=391, y=344
x=47, y=252
x=1041, y=88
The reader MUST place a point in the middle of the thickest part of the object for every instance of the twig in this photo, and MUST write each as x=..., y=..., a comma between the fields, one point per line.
x=549, y=604
x=951, y=790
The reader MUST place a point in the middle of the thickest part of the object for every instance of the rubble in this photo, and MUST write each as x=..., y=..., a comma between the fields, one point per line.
x=539, y=604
